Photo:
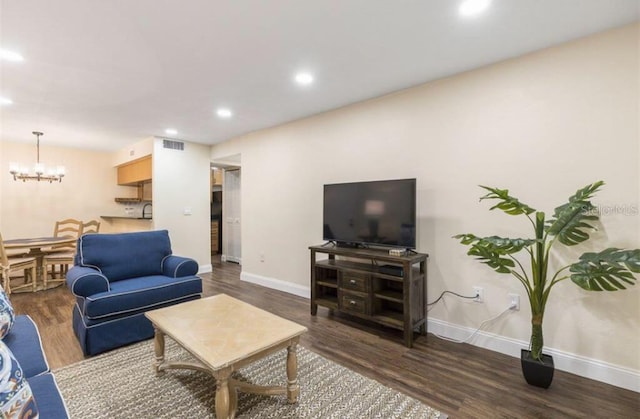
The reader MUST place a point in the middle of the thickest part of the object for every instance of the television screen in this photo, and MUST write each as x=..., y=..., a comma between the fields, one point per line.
x=381, y=213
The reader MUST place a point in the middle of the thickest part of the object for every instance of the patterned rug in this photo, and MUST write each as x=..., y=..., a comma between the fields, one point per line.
x=122, y=384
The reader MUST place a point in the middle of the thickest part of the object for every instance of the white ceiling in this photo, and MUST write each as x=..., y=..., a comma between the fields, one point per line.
x=102, y=74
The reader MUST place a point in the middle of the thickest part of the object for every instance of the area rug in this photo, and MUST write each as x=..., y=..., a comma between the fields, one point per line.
x=122, y=384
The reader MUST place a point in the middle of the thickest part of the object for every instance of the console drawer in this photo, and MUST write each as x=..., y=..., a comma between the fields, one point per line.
x=353, y=303
x=355, y=281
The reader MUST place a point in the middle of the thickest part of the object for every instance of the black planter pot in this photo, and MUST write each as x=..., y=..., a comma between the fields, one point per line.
x=539, y=374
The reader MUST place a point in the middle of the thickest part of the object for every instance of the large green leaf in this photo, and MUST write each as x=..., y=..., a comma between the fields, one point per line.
x=608, y=270
x=491, y=250
x=570, y=221
x=508, y=204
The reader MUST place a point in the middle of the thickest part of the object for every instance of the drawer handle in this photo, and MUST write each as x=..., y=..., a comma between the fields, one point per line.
x=352, y=281
x=352, y=302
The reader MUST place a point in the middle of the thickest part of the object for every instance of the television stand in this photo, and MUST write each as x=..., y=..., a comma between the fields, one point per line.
x=348, y=245
x=372, y=285
x=391, y=270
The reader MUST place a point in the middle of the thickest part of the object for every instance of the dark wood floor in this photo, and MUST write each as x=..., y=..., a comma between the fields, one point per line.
x=461, y=380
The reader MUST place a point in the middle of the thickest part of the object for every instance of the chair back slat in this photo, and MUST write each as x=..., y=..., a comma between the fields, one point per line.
x=69, y=227
x=92, y=226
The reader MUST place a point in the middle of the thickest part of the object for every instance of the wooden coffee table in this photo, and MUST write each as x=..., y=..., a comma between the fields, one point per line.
x=225, y=334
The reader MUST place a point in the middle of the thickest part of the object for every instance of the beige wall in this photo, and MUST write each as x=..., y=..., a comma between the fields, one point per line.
x=30, y=209
x=134, y=151
x=181, y=180
x=542, y=126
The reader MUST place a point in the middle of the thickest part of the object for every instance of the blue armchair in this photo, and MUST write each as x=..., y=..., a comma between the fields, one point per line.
x=117, y=277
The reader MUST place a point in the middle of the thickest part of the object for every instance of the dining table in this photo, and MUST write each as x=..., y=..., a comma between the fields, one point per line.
x=38, y=247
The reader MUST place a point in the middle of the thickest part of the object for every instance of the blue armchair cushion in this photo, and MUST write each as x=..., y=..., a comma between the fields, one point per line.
x=24, y=342
x=46, y=392
x=7, y=316
x=16, y=398
x=138, y=294
x=124, y=255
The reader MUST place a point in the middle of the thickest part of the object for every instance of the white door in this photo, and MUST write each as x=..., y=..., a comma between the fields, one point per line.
x=231, y=215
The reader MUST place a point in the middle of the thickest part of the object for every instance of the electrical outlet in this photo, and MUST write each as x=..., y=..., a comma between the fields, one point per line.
x=514, y=302
x=479, y=292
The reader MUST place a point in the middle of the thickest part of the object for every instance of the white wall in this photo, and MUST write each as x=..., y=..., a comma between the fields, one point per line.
x=541, y=125
x=181, y=180
x=30, y=209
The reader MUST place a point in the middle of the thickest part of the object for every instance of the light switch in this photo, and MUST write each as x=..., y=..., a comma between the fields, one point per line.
x=187, y=211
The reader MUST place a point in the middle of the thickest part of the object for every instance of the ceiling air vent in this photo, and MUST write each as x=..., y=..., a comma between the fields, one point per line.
x=173, y=145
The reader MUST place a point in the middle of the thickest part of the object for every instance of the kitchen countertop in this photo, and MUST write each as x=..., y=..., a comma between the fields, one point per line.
x=124, y=217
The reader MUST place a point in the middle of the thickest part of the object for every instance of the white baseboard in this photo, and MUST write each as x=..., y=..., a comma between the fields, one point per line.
x=564, y=361
x=203, y=269
x=227, y=258
x=276, y=284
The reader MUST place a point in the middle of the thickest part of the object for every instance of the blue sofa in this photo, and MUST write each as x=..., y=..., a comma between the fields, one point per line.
x=117, y=277
x=24, y=342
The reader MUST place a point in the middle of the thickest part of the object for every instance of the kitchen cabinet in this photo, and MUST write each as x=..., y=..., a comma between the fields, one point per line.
x=216, y=176
x=135, y=172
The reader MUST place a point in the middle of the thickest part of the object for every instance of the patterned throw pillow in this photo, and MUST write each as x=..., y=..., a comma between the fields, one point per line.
x=7, y=317
x=16, y=399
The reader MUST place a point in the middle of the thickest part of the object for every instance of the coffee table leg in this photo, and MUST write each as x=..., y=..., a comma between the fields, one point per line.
x=223, y=398
x=293, y=389
x=233, y=399
x=158, y=344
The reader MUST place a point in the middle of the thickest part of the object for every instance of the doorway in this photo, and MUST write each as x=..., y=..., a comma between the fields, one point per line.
x=226, y=243
x=216, y=210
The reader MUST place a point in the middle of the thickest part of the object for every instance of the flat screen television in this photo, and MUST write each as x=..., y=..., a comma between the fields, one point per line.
x=379, y=213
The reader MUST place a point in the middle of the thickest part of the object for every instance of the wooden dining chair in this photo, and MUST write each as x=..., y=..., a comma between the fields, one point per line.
x=69, y=227
x=58, y=258
x=8, y=264
x=92, y=226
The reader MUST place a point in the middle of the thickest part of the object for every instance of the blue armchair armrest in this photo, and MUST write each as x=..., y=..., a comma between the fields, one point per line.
x=84, y=281
x=178, y=266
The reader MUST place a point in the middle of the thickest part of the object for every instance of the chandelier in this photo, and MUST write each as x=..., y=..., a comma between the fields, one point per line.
x=20, y=172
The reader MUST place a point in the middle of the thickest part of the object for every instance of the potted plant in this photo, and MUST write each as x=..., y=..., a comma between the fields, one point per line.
x=609, y=270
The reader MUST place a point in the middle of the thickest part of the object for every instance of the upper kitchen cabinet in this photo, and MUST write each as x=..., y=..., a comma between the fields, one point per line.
x=135, y=172
x=216, y=176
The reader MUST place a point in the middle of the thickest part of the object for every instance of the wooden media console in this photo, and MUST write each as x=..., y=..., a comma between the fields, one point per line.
x=373, y=285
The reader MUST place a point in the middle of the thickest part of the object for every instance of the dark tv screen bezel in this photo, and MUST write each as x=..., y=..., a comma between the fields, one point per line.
x=355, y=241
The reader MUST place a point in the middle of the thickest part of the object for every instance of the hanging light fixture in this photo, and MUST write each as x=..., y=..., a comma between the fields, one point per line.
x=20, y=172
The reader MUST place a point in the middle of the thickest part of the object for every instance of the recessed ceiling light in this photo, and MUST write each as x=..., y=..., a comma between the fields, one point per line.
x=470, y=8
x=171, y=131
x=5, y=101
x=304, y=79
x=224, y=113
x=10, y=55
